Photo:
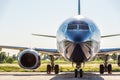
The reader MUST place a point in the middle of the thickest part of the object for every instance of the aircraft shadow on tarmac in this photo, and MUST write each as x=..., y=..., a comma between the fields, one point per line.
x=87, y=76
x=70, y=76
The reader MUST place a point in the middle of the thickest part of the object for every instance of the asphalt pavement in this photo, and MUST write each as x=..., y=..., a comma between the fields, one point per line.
x=61, y=76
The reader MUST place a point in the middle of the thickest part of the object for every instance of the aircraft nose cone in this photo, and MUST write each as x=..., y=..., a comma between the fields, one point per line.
x=79, y=36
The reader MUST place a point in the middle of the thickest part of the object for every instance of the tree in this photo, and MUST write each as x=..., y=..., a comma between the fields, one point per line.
x=114, y=56
x=14, y=57
x=9, y=60
x=2, y=57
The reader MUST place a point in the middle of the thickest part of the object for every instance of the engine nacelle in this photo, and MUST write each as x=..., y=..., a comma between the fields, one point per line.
x=118, y=60
x=29, y=59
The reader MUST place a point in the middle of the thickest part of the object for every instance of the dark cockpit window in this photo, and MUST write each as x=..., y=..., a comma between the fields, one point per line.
x=83, y=27
x=79, y=25
x=72, y=27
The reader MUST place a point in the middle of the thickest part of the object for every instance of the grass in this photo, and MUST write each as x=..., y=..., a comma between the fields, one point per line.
x=92, y=66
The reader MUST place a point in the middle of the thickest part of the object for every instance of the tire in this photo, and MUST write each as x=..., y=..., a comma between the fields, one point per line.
x=48, y=69
x=109, y=69
x=81, y=73
x=76, y=73
x=56, y=68
x=101, y=69
x=118, y=60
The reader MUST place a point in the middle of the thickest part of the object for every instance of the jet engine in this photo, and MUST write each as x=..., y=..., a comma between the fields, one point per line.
x=118, y=60
x=29, y=59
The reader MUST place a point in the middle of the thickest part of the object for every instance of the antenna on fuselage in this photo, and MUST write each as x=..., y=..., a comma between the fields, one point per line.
x=78, y=7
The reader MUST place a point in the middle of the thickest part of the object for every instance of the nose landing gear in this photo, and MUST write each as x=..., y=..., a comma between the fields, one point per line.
x=78, y=70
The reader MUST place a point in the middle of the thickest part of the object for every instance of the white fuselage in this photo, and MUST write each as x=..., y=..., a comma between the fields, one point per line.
x=78, y=39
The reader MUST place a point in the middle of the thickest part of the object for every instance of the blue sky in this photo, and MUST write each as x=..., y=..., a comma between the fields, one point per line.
x=20, y=18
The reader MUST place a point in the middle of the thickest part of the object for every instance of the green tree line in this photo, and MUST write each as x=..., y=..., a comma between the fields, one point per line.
x=4, y=58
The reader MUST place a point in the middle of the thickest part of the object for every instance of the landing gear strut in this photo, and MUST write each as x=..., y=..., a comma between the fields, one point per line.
x=52, y=67
x=106, y=67
x=78, y=70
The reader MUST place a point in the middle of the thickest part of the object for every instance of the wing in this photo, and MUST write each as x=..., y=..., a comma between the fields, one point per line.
x=55, y=36
x=109, y=50
x=44, y=35
x=13, y=47
x=110, y=35
x=48, y=51
x=42, y=50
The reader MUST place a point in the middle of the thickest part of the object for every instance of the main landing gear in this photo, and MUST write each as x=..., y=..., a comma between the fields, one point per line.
x=78, y=71
x=106, y=67
x=52, y=67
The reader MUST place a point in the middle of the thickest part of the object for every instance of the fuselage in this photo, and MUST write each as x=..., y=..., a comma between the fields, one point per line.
x=78, y=39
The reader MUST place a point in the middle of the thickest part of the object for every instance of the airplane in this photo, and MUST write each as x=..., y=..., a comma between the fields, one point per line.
x=78, y=41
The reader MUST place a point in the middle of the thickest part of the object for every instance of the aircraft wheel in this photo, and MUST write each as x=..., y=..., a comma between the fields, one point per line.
x=109, y=69
x=118, y=60
x=48, y=69
x=76, y=72
x=56, y=68
x=81, y=73
x=101, y=69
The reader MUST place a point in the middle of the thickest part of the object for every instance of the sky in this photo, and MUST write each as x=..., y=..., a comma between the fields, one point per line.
x=20, y=18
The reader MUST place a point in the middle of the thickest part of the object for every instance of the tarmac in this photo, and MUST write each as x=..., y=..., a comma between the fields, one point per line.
x=60, y=76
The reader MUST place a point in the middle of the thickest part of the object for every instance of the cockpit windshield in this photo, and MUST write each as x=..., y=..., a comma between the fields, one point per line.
x=72, y=27
x=83, y=27
x=78, y=26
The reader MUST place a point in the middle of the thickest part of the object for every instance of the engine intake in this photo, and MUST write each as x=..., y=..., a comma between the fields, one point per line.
x=29, y=59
